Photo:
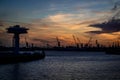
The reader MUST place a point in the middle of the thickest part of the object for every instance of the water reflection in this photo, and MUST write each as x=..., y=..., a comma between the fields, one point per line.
x=16, y=72
x=65, y=67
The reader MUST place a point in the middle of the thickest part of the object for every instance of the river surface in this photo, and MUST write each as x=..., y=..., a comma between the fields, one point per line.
x=65, y=66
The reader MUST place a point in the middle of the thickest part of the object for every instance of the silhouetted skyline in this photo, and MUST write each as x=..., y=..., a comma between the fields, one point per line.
x=48, y=19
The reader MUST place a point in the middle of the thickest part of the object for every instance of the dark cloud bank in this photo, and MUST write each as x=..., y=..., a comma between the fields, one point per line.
x=107, y=27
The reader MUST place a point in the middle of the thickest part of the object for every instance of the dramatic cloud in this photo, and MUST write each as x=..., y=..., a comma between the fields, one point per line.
x=55, y=18
x=111, y=25
x=107, y=27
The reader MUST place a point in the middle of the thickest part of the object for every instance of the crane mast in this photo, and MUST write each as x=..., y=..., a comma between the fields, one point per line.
x=58, y=42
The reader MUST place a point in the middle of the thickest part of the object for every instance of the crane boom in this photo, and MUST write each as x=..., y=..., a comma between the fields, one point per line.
x=74, y=39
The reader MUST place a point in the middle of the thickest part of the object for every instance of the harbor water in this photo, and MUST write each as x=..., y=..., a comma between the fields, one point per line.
x=65, y=65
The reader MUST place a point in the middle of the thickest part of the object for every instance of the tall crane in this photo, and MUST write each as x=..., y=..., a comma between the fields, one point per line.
x=58, y=42
x=97, y=43
x=75, y=40
x=89, y=41
x=26, y=43
x=79, y=42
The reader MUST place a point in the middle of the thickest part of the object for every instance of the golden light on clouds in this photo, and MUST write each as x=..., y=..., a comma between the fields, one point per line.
x=64, y=25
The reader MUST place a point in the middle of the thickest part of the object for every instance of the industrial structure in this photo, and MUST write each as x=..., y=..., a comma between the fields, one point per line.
x=16, y=30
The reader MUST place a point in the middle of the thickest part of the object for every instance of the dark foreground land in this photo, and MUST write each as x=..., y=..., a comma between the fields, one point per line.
x=25, y=57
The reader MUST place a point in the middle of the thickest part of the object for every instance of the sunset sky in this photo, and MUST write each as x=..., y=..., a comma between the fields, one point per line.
x=48, y=19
